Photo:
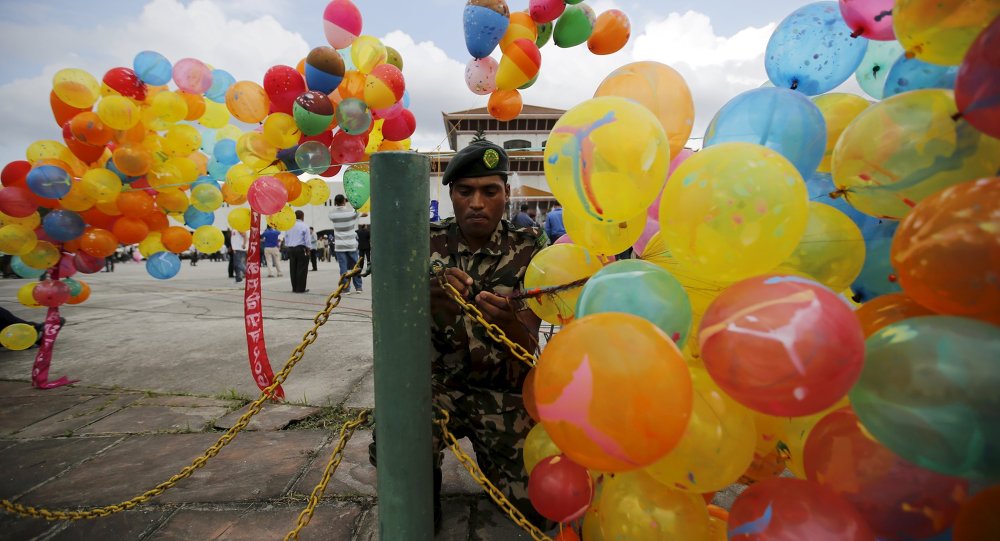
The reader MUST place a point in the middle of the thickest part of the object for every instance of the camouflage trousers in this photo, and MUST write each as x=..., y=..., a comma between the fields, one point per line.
x=496, y=423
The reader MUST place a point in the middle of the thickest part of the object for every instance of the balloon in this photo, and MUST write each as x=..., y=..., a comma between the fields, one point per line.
x=384, y=86
x=947, y=251
x=400, y=127
x=871, y=19
x=163, y=265
x=166, y=108
x=86, y=262
x=15, y=173
x=118, y=112
x=134, y=203
x=101, y=185
x=792, y=509
x=206, y=198
x=23, y=270
x=51, y=293
x=611, y=32
x=520, y=63
x=521, y=27
x=130, y=230
x=812, y=50
x=505, y=105
x=217, y=113
x=82, y=296
x=897, y=499
x=660, y=89
x=559, y=265
x=152, y=244
x=281, y=131
x=312, y=157
x=544, y=34
x=643, y=289
x=394, y=58
x=239, y=219
x=76, y=87
x=367, y=52
x=978, y=519
x=17, y=239
x=941, y=31
x=717, y=445
x=877, y=277
x=560, y=489
x=613, y=392
x=18, y=336
x=313, y=113
x=176, y=239
x=831, y=251
x=283, y=84
x=484, y=24
x=347, y=148
x=978, y=82
x=221, y=81
x=838, y=111
x=538, y=446
x=607, y=159
x=320, y=191
x=887, y=309
x=906, y=148
x=16, y=201
x=353, y=116
x=208, y=239
x=49, y=181
x=87, y=128
x=267, y=195
x=25, y=297
x=152, y=68
x=635, y=507
x=324, y=69
x=925, y=369
x=545, y=11
x=911, y=74
x=604, y=238
x=341, y=23
x=247, y=101
x=357, y=185
x=762, y=342
x=574, y=26
x=195, y=218
x=192, y=75
x=480, y=75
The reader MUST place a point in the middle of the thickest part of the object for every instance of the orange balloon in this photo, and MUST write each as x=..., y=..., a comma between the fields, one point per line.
x=132, y=160
x=61, y=111
x=172, y=200
x=611, y=32
x=521, y=27
x=98, y=242
x=71, y=246
x=88, y=129
x=96, y=218
x=978, y=519
x=156, y=220
x=528, y=396
x=134, y=204
x=505, y=104
x=763, y=467
x=176, y=239
x=131, y=136
x=947, y=251
x=130, y=230
x=195, y=105
x=613, y=392
x=888, y=309
x=82, y=296
x=292, y=185
x=231, y=196
x=301, y=66
x=353, y=86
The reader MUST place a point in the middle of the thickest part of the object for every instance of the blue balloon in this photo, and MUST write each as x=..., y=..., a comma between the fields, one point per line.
x=912, y=74
x=225, y=152
x=195, y=218
x=218, y=170
x=812, y=50
x=782, y=120
x=321, y=81
x=484, y=28
x=63, y=225
x=153, y=68
x=23, y=270
x=221, y=81
x=820, y=187
x=163, y=265
x=877, y=277
x=345, y=54
x=49, y=181
x=406, y=99
x=287, y=157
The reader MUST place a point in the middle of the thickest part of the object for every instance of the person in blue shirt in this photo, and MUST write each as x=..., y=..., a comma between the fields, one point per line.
x=554, y=227
x=298, y=241
x=521, y=219
x=272, y=252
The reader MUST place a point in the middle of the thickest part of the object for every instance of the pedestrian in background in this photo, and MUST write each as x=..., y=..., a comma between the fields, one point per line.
x=297, y=241
x=345, y=227
x=365, y=245
x=272, y=253
x=240, y=245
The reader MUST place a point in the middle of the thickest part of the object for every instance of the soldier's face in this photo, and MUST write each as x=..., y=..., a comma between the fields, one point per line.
x=479, y=204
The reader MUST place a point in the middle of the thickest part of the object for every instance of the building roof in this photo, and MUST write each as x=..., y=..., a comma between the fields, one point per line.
x=527, y=110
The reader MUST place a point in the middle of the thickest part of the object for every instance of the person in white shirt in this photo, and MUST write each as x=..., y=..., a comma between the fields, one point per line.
x=345, y=236
x=298, y=242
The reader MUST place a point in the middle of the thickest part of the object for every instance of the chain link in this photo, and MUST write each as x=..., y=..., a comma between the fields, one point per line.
x=346, y=431
x=255, y=407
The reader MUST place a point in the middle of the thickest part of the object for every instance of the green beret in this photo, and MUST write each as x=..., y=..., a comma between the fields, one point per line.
x=479, y=159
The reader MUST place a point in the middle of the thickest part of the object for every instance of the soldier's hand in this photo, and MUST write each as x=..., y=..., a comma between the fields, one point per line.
x=496, y=309
x=441, y=299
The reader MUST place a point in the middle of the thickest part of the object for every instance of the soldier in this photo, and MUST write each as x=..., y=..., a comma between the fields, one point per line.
x=475, y=379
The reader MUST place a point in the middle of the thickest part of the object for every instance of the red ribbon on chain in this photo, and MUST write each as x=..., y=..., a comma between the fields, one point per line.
x=40, y=371
x=253, y=313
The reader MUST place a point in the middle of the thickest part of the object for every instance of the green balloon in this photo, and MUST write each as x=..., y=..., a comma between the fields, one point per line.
x=928, y=392
x=74, y=287
x=529, y=83
x=393, y=57
x=544, y=33
x=310, y=123
x=573, y=2
x=574, y=26
x=357, y=186
x=21, y=269
x=875, y=65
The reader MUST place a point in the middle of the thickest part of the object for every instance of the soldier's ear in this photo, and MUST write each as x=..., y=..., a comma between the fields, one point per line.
x=506, y=189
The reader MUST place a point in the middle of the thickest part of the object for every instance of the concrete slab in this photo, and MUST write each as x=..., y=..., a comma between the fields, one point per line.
x=18, y=413
x=454, y=522
x=25, y=528
x=271, y=417
x=330, y=522
x=144, y=419
x=354, y=476
x=364, y=395
x=135, y=524
x=180, y=401
x=490, y=524
x=28, y=464
x=22, y=387
x=80, y=415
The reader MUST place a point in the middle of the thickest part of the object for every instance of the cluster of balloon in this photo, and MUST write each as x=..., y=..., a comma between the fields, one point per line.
x=521, y=35
x=816, y=292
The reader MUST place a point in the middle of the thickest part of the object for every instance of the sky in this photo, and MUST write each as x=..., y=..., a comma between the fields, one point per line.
x=718, y=46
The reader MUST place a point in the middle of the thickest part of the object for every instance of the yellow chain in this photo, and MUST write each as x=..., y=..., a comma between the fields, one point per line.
x=346, y=432
x=321, y=318
x=495, y=332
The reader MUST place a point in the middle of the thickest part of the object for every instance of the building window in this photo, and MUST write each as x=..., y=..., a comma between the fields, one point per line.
x=515, y=144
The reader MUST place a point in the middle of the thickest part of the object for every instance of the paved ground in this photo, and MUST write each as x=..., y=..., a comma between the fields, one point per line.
x=163, y=371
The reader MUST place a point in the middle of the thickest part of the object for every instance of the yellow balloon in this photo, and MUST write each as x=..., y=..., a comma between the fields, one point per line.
x=240, y=177
x=239, y=219
x=181, y=140
x=169, y=107
x=283, y=220
x=281, y=131
x=907, y=147
x=366, y=208
x=43, y=256
x=941, y=31
x=48, y=150
x=255, y=151
x=607, y=159
x=30, y=221
x=604, y=238
x=319, y=191
x=164, y=176
x=16, y=239
x=838, y=111
x=832, y=250
x=521, y=27
x=228, y=132
x=368, y=52
x=216, y=116
x=208, y=239
x=733, y=210
x=77, y=199
x=172, y=200
x=101, y=185
x=109, y=207
x=558, y=265
x=76, y=88
x=151, y=244
x=701, y=291
x=717, y=446
x=118, y=112
x=24, y=295
x=186, y=167
x=206, y=197
x=375, y=137
x=305, y=196
x=537, y=447
x=634, y=506
x=660, y=89
x=18, y=336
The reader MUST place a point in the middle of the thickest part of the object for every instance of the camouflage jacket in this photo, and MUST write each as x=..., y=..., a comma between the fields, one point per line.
x=464, y=355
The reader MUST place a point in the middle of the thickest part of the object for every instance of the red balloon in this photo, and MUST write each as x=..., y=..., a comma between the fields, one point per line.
x=347, y=148
x=977, y=86
x=94, y=216
x=560, y=489
x=283, y=84
x=569, y=534
x=325, y=137
x=785, y=509
x=67, y=265
x=898, y=499
x=400, y=126
x=267, y=195
x=87, y=263
x=15, y=173
x=782, y=345
x=16, y=201
x=51, y=293
x=332, y=171
x=87, y=153
x=125, y=82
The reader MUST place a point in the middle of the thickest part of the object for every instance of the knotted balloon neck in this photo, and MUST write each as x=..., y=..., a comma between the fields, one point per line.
x=795, y=84
x=858, y=32
x=838, y=193
x=957, y=116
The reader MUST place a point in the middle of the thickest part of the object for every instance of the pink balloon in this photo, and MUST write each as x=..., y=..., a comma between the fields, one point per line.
x=654, y=209
x=389, y=112
x=86, y=263
x=871, y=19
x=546, y=11
x=67, y=266
x=341, y=23
x=267, y=195
x=652, y=228
x=192, y=76
x=51, y=293
x=481, y=75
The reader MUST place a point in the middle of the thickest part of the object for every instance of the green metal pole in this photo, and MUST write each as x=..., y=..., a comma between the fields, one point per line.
x=401, y=307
